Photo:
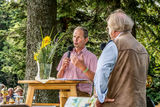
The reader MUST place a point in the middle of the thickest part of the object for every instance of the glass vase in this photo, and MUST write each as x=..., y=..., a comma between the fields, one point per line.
x=44, y=71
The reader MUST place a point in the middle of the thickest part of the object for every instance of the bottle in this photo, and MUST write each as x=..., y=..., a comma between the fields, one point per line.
x=4, y=91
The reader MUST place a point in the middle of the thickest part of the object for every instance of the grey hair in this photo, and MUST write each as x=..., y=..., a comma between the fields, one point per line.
x=119, y=21
x=84, y=30
x=10, y=89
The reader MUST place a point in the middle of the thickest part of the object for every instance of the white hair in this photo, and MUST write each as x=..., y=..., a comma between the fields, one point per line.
x=119, y=21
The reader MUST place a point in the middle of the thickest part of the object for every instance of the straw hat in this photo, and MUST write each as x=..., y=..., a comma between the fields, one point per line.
x=18, y=88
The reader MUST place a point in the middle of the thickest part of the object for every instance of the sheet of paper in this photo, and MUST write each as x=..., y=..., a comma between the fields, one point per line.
x=71, y=79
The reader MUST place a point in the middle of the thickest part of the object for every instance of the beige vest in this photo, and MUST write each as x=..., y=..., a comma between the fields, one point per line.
x=127, y=82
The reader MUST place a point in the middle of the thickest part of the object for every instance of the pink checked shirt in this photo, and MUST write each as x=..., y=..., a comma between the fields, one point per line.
x=72, y=72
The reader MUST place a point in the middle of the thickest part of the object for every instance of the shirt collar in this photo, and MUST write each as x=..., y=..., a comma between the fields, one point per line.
x=119, y=35
x=82, y=51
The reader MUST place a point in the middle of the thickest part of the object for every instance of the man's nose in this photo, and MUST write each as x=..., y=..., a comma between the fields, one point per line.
x=76, y=39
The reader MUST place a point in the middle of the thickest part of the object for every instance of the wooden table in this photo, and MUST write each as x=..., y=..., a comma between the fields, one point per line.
x=14, y=105
x=56, y=84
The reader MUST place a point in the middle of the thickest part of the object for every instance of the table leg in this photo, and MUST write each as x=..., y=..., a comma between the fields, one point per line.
x=64, y=94
x=30, y=94
x=63, y=97
x=73, y=91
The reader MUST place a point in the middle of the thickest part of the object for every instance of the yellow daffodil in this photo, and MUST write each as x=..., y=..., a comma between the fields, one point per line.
x=46, y=50
x=35, y=56
x=46, y=41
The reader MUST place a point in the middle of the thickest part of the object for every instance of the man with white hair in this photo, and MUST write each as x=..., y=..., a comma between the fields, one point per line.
x=120, y=79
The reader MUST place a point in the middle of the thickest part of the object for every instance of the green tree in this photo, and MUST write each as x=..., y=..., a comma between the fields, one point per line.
x=41, y=13
x=66, y=15
x=12, y=43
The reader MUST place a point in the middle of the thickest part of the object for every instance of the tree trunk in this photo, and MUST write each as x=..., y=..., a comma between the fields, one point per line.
x=41, y=13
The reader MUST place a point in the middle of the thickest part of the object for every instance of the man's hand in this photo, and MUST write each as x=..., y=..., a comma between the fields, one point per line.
x=109, y=100
x=65, y=63
x=78, y=62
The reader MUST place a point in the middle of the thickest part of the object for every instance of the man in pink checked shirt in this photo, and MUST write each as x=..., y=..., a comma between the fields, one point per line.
x=81, y=65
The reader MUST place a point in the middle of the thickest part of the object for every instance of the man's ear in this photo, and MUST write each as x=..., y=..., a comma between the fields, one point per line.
x=86, y=40
x=114, y=34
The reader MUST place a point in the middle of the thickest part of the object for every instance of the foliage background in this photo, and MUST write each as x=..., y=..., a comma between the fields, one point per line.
x=72, y=13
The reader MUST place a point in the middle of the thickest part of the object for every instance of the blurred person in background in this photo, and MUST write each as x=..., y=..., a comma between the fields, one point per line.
x=1, y=86
x=10, y=94
x=19, y=92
